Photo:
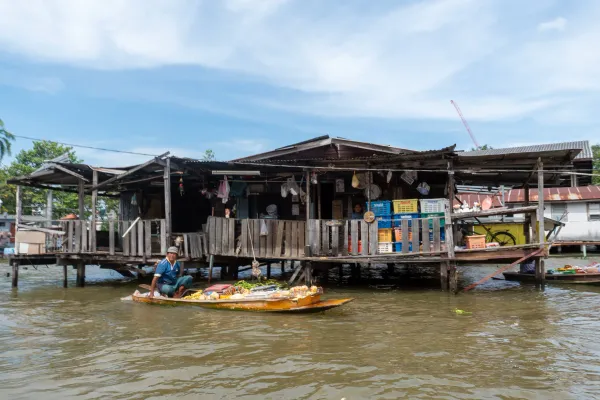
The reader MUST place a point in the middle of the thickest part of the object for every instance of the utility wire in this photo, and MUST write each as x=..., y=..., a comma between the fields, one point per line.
x=86, y=147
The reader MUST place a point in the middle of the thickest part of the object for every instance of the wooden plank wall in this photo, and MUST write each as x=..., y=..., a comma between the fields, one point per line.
x=245, y=238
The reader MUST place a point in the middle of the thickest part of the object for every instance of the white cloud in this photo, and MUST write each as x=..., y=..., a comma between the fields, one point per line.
x=404, y=61
x=557, y=24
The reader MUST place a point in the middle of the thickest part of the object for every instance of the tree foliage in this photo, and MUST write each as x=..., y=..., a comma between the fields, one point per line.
x=596, y=169
x=484, y=147
x=209, y=155
x=34, y=200
x=5, y=140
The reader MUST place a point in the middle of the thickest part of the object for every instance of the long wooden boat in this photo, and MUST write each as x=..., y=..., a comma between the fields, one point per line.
x=589, y=279
x=307, y=304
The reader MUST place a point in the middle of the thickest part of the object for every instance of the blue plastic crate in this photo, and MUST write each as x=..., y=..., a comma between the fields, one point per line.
x=384, y=221
x=398, y=247
x=381, y=207
x=399, y=217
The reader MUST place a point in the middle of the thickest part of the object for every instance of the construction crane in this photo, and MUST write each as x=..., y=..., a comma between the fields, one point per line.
x=464, y=121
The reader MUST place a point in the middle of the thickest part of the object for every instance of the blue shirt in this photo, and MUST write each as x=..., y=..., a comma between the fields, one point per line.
x=167, y=273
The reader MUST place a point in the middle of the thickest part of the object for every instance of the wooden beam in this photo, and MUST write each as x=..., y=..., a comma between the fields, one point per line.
x=94, y=205
x=540, y=264
x=49, y=204
x=167, y=190
x=129, y=172
x=494, y=211
x=19, y=209
x=308, y=233
x=487, y=277
x=48, y=231
x=68, y=171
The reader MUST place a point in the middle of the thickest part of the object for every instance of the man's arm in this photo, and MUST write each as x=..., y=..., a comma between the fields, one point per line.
x=153, y=286
x=157, y=274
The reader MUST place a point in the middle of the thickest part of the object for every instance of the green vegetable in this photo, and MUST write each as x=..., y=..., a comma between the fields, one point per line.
x=248, y=285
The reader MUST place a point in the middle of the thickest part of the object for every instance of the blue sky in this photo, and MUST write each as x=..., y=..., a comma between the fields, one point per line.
x=244, y=76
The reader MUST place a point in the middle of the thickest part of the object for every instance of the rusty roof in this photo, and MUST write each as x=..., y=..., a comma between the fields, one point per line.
x=580, y=193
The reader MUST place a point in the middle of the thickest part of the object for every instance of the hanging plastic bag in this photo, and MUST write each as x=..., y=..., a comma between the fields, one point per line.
x=355, y=181
x=223, y=192
x=264, y=231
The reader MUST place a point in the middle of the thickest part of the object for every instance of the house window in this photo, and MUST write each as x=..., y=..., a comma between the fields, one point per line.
x=559, y=212
x=594, y=211
x=2, y=224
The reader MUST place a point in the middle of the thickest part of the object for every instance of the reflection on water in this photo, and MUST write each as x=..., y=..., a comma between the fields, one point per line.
x=88, y=344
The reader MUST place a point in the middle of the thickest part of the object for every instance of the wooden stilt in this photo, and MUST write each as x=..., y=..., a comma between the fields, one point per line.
x=452, y=277
x=444, y=275
x=268, y=270
x=211, y=261
x=282, y=268
x=65, y=281
x=80, y=275
x=584, y=250
x=15, y=273
x=235, y=272
x=308, y=274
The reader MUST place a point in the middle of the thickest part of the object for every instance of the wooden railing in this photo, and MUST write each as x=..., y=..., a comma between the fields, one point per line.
x=243, y=238
x=335, y=238
x=145, y=238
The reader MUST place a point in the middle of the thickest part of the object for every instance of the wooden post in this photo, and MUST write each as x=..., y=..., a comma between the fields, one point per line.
x=15, y=273
x=81, y=198
x=49, y=204
x=444, y=275
x=65, y=281
x=540, y=221
x=80, y=274
x=94, y=201
x=527, y=224
x=167, y=184
x=319, y=200
x=449, y=277
x=211, y=261
x=308, y=240
x=450, y=228
x=268, y=270
x=19, y=213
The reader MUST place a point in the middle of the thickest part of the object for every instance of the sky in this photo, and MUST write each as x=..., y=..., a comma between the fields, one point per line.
x=245, y=76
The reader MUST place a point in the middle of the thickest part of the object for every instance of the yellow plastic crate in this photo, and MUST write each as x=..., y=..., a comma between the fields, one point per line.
x=384, y=235
x=406, y=206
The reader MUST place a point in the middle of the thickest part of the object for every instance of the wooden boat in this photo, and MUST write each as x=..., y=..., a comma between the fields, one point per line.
x=589, y=279
x=307, y=304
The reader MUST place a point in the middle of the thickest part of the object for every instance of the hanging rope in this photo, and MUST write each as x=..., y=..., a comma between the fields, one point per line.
x=255, y=264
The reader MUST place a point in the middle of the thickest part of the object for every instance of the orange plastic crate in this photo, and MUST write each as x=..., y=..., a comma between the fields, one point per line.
x=475, y=241
x=398, y=234
x=384, y=235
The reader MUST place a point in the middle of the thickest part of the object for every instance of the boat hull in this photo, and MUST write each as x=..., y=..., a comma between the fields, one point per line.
x=304, y=305
x=589, y=279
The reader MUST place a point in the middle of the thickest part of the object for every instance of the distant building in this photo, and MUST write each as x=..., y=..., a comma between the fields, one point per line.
x=7, y=227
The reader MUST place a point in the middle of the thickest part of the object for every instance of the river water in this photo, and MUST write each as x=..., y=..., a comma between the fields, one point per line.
x=517, y=343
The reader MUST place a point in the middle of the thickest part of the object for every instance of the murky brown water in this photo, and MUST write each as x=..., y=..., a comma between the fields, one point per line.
x=86, y=343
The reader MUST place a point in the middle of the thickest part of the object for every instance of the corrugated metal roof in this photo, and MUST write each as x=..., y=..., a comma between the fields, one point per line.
x=584, y=146
x=550, y=195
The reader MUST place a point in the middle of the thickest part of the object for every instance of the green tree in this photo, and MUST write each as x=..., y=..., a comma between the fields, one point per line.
x=35, y=200
x=596, y=164
x=5, y=140
x=209, y=155
x=484, y=147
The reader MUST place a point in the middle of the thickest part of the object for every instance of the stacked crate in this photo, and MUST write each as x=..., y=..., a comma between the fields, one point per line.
x=404, y=210
x=383, y=214
x=434, y=208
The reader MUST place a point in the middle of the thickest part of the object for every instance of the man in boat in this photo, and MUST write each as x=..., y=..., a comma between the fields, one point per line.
x=166, y=276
